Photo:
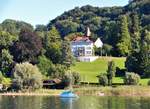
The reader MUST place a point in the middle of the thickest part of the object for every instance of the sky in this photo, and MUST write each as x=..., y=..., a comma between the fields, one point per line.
x=42, y=11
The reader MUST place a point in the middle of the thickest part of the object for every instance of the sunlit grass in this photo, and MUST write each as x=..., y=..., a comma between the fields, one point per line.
x=89, y=70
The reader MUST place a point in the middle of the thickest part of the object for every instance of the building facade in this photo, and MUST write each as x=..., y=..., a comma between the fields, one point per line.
x=82, y=46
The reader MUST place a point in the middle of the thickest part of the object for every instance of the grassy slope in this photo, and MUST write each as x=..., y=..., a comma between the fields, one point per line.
x=89, y=70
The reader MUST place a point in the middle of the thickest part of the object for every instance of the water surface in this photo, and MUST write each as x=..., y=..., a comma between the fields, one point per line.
x=84, y=102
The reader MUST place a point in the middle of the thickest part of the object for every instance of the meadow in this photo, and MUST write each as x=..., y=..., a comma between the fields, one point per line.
x=89, y=70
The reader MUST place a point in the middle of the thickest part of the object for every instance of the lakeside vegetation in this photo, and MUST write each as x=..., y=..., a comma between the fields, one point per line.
x=114, y=91
x=30, y=55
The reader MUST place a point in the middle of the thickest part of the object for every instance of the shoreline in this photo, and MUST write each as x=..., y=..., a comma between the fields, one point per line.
x=127, y=91
x=27, y=94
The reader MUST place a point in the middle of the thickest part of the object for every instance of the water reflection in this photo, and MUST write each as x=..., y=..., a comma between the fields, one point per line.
x=84, y=102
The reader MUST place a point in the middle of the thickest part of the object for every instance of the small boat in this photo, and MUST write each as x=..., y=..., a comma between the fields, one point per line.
x=68, y=94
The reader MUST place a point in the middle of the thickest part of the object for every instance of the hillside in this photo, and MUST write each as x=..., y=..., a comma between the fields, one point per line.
x=99, y=19
x=89, y=70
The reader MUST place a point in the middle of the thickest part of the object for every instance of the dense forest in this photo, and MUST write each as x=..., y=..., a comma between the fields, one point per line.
x=125, y=32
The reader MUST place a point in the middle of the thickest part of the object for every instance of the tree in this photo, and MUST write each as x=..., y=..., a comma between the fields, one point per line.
x=6, y=40
x=6, y=61
x=40, y=28
x=144, y=54
x=1, y=77
x=45, y=65
x=52, y=45
x=67, y=58
x=66, y=27
x=58, y=71
x=139, y=61
x=76, y=78
x=132, y=62
x=107, y=49
x=131, y=78
x=124, y=44
x=111, y=71
x=27, y=77
x=103, y=80
x=135, y=32
x=28, y=48
x=14, y=27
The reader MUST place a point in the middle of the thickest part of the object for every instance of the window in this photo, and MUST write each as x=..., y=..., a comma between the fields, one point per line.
x=88, y=48
x=88, y=52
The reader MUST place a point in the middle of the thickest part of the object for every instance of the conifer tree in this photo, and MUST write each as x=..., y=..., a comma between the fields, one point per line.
x=135, y=32
x=111, y=71
x=67, y=57
x=124, y=43
x=144, y=54
x=139, y=62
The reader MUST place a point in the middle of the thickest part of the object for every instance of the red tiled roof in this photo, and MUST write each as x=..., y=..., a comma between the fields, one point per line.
x=83, y=38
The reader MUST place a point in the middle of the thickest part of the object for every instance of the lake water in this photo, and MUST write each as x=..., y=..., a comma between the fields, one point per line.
x=84, y=102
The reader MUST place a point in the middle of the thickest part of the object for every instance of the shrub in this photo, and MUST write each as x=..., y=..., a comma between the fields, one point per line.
x=103, y=80
x=27, y=77
x=44, y=65
x=70, y=79
x=1, y=77
x=111, y=71
x=76, y=77
x=131, y=78
x=148, y=83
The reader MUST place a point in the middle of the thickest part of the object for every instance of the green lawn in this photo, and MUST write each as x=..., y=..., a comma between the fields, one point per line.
x=89, y=70
x=144, y=81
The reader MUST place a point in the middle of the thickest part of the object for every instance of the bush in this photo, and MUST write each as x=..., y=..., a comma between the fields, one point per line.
x=103, y=80
x=148, y=83
x=44, y=65
x=1, y=77
x=131, y=78
x=26, y=77
x=76, y=78
x=70, y=79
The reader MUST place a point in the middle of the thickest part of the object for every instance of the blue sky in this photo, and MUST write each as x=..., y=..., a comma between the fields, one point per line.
x=42, y=11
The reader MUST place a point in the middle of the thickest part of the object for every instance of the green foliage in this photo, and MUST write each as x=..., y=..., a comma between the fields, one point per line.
x=124, y=43
x=139, y=62
x=6, y=60
x=131, y=78
x=111, y=70
x=107, y=49
x=76, y=78
x=135, y=32
x=1, y=77
x=45, y=65
x=27, y=77
x=144, y=54
x=14, y=27
x=103, y=80
x=58, y=71
x=104, y=51
x=148, y=83
x=65, y=27
x=67, y=58
x=40, y=28
x=52, y=45
x=6, y=40
x=4, y=80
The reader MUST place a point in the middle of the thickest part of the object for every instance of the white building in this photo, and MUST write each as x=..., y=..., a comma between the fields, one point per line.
x=83, y=47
